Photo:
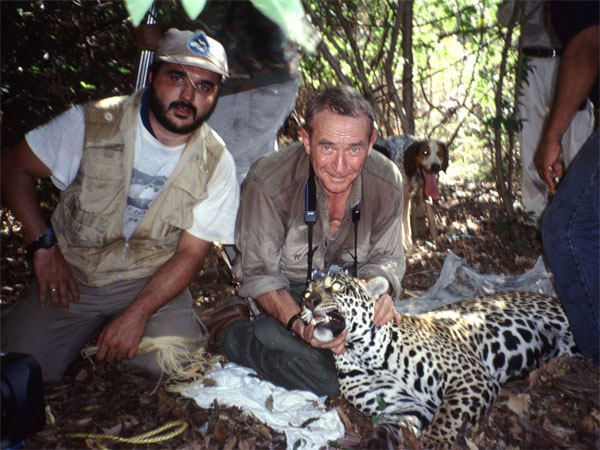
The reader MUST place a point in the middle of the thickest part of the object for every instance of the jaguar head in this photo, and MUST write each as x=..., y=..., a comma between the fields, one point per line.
x=332, y=303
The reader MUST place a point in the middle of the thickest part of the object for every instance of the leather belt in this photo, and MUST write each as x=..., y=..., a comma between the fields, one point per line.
x=541, y=52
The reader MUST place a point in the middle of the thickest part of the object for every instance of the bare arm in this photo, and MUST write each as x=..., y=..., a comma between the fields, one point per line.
x=283, y=307
x=20, y=170
x=577, y=73
x=121, y=337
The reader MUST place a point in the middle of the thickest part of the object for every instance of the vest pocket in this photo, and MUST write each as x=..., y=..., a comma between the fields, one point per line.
x=102, y=179
x=177, y=205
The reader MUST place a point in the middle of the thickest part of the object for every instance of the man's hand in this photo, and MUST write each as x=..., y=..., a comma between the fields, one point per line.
x=384, y=311
x=548, y=160
x=54, y=275
x=121, y=337
x=337, y=345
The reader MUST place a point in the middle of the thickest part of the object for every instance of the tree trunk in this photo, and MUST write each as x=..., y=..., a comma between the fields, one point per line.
x=405, y=9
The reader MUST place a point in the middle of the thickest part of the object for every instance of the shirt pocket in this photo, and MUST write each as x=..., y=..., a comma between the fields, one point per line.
x=294, y=254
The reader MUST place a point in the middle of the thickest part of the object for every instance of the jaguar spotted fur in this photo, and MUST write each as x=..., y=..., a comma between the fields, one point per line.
x=437, y=370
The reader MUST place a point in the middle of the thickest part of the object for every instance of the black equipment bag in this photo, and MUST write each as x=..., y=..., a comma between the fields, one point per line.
x=22, y=397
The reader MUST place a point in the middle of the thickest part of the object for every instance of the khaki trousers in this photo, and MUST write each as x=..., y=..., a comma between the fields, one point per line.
x=55, y=337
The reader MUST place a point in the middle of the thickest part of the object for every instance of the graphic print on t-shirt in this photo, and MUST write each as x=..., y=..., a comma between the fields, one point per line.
x=152, y=165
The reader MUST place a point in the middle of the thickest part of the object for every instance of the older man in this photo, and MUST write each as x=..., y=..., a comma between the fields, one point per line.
x=146, y=186
x=352, y=223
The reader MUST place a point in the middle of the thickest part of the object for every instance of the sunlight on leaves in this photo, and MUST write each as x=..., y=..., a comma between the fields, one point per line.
x=86, y=85
x=137, y=10
x=289, y=15
x=193, y=8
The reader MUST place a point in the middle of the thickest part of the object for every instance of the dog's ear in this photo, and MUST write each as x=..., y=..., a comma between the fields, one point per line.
x=410, y=159
x=446, y=156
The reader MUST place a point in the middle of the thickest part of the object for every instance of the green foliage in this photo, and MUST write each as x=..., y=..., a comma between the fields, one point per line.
x=457, y=56
x=381, y=405
x=58, y=54
x=298, y=444
x=516, y=227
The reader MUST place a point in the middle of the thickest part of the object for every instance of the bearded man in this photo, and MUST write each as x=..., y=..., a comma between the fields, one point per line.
x=146, y=187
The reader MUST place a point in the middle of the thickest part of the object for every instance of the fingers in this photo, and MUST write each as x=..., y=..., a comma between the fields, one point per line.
x=108, y=351
x=119, y=339
x=548, y=161
x=102, y=349
x=339, y=349
x=384, y=310
x=54, y=297
x=55, y=278
x=72, y=286
x=42, y=288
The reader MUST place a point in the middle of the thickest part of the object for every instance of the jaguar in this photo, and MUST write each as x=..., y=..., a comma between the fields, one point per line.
x=435, y=372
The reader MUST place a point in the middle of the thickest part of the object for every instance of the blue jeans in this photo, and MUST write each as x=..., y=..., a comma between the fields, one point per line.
x=571, y=241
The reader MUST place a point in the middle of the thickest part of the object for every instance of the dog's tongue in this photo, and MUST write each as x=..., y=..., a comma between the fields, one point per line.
x=431, y=187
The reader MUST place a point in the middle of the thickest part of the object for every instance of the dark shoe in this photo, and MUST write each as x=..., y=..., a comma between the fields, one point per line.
x=216, y=320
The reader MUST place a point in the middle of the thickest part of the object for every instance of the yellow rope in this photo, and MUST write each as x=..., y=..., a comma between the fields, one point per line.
x=144, y=438
x=411, y=294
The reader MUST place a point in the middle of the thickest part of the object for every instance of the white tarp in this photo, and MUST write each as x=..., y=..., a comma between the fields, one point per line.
x=283, y=410
x=458, y=281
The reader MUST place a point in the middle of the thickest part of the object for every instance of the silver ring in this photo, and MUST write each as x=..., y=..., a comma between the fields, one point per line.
x=52, y=289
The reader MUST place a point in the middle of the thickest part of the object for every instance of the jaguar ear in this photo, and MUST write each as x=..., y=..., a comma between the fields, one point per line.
x=377, y=286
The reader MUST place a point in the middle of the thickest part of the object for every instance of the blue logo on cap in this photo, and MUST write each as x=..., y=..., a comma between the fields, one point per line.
x=199, y=44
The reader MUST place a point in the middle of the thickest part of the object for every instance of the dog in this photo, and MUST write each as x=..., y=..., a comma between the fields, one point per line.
x=420, y=162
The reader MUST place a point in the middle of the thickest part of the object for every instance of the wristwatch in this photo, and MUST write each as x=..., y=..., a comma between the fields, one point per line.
x=46, y=240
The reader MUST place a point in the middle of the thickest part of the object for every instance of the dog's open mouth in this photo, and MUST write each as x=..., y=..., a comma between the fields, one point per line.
x=431, y=186
x=333, y=321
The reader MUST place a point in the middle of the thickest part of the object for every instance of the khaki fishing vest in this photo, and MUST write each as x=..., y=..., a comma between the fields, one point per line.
x=89, y=218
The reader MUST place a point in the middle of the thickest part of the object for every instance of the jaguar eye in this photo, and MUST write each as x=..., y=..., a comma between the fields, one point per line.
x=337, y=286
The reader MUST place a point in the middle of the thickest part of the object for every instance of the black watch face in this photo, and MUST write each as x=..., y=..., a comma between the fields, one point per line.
x=48, y=240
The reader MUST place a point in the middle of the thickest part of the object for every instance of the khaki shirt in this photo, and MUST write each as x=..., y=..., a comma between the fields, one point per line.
x=273, y=238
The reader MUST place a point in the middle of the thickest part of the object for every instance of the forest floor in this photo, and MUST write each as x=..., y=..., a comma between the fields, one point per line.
x=556, y=406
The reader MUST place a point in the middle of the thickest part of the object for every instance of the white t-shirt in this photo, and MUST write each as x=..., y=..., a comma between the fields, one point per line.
x=59, y=145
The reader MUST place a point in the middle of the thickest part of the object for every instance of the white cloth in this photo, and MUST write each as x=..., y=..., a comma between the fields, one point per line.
x=283, y=410
x=248, y=121
x=59, y=145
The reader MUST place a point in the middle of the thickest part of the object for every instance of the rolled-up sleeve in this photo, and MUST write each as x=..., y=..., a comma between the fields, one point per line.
x=260, y=233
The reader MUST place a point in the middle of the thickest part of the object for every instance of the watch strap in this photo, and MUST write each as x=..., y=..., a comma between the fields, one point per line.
x=292, y=320
x=45, y=240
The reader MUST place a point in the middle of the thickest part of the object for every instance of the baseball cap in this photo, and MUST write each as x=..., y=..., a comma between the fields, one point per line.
x=193, y=48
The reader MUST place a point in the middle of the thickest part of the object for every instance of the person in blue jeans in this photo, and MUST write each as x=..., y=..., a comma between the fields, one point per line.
x=571, y=223
x=570, y=234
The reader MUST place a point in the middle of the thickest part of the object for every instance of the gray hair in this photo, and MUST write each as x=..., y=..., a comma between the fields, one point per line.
x=342, y=100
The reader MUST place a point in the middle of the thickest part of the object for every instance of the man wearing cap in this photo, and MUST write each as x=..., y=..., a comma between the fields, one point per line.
x=146, y=187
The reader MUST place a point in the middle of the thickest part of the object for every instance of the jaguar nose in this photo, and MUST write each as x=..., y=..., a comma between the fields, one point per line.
x=312, y=301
